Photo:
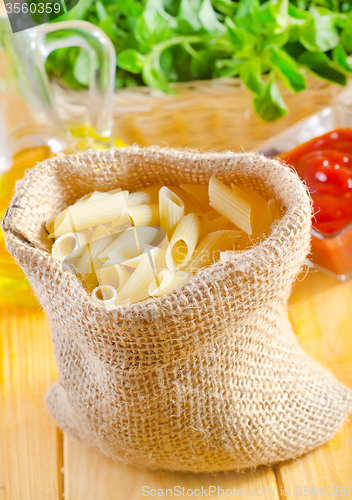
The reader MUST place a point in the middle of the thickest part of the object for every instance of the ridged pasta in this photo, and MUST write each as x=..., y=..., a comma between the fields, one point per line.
x=229, y=204
x=214, y=243
x=113, y=274
x=145, y=215
x=147, y=244
x=87, y=214
x=171, y=210
x=169, y=280
x=183, y=242
x=89, y=261
x=190, y=206
x=145, y=197
x=70, y=245
x=199, y=194
x=104, y=295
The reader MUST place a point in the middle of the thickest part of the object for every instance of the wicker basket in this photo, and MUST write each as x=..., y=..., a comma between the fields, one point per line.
x=214, y=114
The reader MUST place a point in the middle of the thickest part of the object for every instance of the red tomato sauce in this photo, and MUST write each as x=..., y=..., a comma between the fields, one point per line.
x=325, y=164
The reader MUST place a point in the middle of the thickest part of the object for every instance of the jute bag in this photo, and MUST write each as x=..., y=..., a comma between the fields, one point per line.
x=208, y=378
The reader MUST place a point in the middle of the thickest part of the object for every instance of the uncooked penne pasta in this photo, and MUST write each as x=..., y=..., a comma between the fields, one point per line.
x=171, y=210
x=133, y=236
x=190, y=206
x=145, y=249
x=265, y=218
x=145, y=215
x=88, y=262
x=209, y=249
x=121, y=223
x=88, y=214
x=230, y=205
x=183, y=242
x=254, y=199
x=70, y=245
x=168, y=281
x=136, y=287
x=199, y=194
x=211, y=222
x=104, y=295
x=113, y=275
x=145, y=197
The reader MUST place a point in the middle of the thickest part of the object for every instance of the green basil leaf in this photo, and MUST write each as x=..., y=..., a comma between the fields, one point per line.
x=322, y=66
x=152, y=28
x=276, y=39
x=270, y=106
x=251, y=76
x=226, y=7
x=287, y=70
x=227, y=67
x=187, y=17
x=319, y=33
x=154, y=77
x=274, y=12
x=209, y=20
x=346, y=39
x=297, y=16
x=246, y=16
x=241, y=40
x=202, y=64
x=101, y=11
x=130, y=9
x=130, y=60
x=341, y=57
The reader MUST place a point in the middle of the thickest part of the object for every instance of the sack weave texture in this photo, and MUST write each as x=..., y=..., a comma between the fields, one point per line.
x=208, y=378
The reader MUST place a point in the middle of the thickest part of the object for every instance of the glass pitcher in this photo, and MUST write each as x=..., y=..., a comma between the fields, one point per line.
x=31, y=127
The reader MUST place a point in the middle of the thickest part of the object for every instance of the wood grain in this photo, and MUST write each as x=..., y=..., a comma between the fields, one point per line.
x=30, y=443
x=90, y=476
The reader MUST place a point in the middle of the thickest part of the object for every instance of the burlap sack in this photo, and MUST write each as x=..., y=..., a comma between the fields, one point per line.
x=206, y=379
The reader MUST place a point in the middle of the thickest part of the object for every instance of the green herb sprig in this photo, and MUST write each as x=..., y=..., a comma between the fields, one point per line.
x=162, y=41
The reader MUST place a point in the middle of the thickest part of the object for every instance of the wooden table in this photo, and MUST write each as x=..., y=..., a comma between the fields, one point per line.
x=37, y=462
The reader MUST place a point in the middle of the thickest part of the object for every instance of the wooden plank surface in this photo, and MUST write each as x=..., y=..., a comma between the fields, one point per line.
x=30, y=443
x=89, y=476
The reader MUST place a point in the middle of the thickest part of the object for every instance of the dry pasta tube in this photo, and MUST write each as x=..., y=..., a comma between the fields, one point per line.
x=88, y=214
x=101, y=239
x=190, y=206
x=183, y=242
x=121, y=223
x=145, y=197
x=171, y=210
x=264, y=220
x=199, y=194
x=169, y=280
x=234, y=208
x=209, y=249
x=104, y=295
x=134, y=236
x=113, y=275
x=70, y=245
x=145, y=215
x=211, y=222
x=136, y=287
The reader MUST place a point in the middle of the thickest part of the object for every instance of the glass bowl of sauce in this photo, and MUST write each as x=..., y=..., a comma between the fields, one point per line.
x=319, y=148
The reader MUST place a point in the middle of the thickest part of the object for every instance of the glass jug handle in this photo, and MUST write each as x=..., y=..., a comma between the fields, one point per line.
x=102, y=64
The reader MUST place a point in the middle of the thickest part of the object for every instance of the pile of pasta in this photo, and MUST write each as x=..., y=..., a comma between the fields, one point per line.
x=127, y=247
